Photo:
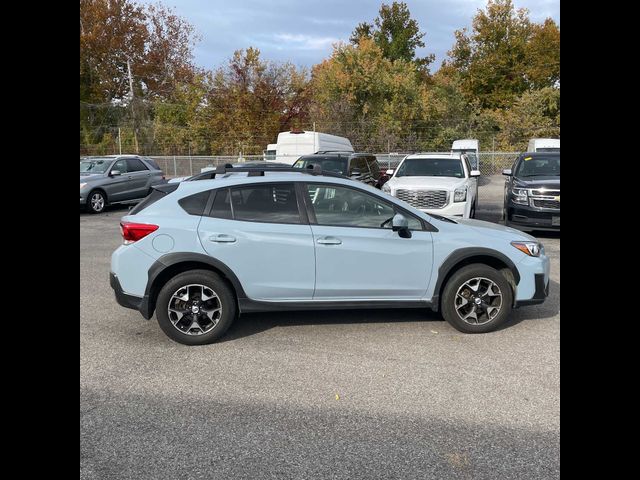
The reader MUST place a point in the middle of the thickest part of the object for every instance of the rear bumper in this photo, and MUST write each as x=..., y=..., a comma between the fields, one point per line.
x=129, y=301
x=541, y=293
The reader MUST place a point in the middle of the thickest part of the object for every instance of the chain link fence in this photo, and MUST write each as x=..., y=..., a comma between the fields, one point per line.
x=491, y=163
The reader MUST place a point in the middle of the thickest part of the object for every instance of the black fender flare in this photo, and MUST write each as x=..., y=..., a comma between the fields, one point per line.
x=462, y=254
x=171, y=259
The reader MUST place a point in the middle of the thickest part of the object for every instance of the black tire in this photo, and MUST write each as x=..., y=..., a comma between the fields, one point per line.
x=96, y=207
x=472, y=213
x=210, y=280
x=458, y=279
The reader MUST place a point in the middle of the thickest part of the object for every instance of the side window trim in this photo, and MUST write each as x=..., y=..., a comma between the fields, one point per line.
x=396, y=208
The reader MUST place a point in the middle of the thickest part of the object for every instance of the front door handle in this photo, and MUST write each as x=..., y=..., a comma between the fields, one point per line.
x=222, y=238
x=329, y=241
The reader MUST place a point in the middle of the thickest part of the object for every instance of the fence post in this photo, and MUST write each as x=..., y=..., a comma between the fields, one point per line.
x=175, y=168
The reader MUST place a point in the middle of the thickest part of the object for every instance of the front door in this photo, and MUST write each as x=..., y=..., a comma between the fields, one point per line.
x=358, y=256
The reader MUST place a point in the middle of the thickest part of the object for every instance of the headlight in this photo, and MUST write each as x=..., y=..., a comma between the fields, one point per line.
x=460, y=194
x=530, y=248
x=82, y=185
x=386, y=188
x=519, y=195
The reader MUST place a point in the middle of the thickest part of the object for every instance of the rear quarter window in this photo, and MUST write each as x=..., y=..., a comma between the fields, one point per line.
x=195, y=204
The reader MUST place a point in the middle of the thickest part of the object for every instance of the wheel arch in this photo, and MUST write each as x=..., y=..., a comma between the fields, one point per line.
x=467, y=256
x=172, y=264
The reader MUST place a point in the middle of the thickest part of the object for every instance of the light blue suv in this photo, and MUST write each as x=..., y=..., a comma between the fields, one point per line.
x=201, y=253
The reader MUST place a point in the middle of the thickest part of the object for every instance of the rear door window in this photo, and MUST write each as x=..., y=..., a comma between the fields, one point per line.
x=272, y=203
x=135, y=165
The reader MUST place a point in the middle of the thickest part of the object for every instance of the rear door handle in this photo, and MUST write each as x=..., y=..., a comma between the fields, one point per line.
x=222, y=238
x=329, y=241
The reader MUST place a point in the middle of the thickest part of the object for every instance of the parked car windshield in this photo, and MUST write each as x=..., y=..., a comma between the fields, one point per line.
x=547, y=166
x=95, y=165
x=431, y=167
x=328, y=164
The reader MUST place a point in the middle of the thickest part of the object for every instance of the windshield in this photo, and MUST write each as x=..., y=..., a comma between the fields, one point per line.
x=95, y=165
x=548, y=166
x=431, y=167
x=333, y=164
x=548, y=149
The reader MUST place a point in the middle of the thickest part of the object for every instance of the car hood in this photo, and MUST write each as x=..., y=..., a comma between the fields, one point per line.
x=494, y=229
x=447, y=183
x=545, y=181
x=87, y=177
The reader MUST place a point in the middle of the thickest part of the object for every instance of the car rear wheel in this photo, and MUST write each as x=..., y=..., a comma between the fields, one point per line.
x=195, y=307
x=477, y=299
x=96, y=201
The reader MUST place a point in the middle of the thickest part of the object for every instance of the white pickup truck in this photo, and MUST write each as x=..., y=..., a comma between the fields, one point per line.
x=438, y=183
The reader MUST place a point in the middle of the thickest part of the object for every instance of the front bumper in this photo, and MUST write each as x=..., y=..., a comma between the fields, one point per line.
x=129, y=301
x=526, y=217
x=540, y=294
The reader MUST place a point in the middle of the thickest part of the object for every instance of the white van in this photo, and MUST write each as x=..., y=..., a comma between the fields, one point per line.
x=471, y=147
x=544, y=145
x=292, y=145
x=270, y=152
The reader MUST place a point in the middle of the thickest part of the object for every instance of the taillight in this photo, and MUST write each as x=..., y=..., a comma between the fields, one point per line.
x=132, y=232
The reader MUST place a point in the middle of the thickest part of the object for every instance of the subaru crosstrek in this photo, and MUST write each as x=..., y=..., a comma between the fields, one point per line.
x=200, y=253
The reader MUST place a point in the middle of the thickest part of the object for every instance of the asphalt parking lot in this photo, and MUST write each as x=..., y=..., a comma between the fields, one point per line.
x=342, y=394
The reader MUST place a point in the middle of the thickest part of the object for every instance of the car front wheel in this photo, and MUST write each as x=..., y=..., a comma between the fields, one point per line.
x=96, y=202
x=477, y=299
x=195, y=307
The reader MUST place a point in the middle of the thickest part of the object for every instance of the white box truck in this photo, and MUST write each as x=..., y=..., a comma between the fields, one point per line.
x=544, y=145
x=469, y=146
x=270, y=152
x=292, y=145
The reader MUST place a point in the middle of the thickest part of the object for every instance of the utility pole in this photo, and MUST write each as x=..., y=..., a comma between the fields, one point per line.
x=133, y=114
x=119, y=142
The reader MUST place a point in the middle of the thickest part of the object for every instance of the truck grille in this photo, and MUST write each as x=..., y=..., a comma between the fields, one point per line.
x=549, y=199
x=551, y=204
x=426, y=199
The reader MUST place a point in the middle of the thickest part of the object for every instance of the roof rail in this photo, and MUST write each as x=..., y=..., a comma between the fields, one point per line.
x=334, y=151
x=259, y=171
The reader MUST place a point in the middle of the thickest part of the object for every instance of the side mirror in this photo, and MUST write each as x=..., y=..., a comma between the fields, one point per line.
x=115, y=173
x=400, y=224
x=507, y=172
x=389, y=172
x=474, y=173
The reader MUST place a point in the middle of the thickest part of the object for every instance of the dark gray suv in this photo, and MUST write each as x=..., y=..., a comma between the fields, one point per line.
x=116, y=179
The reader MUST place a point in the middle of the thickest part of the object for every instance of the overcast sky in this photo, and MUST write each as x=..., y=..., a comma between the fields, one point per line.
x=302, y=31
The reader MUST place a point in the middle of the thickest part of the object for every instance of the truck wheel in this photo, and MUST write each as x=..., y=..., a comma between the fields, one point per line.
x=477, y=299
x=196, y=307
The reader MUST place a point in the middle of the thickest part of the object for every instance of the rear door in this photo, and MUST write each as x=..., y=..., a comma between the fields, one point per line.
x=262, y=234
x=139, y=177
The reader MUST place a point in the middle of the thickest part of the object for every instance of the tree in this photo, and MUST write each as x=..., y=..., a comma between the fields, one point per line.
x=505, y=55
x=361, y=94
x=396, y=33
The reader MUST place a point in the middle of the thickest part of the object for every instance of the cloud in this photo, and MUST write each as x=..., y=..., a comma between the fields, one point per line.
x=305, y=42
